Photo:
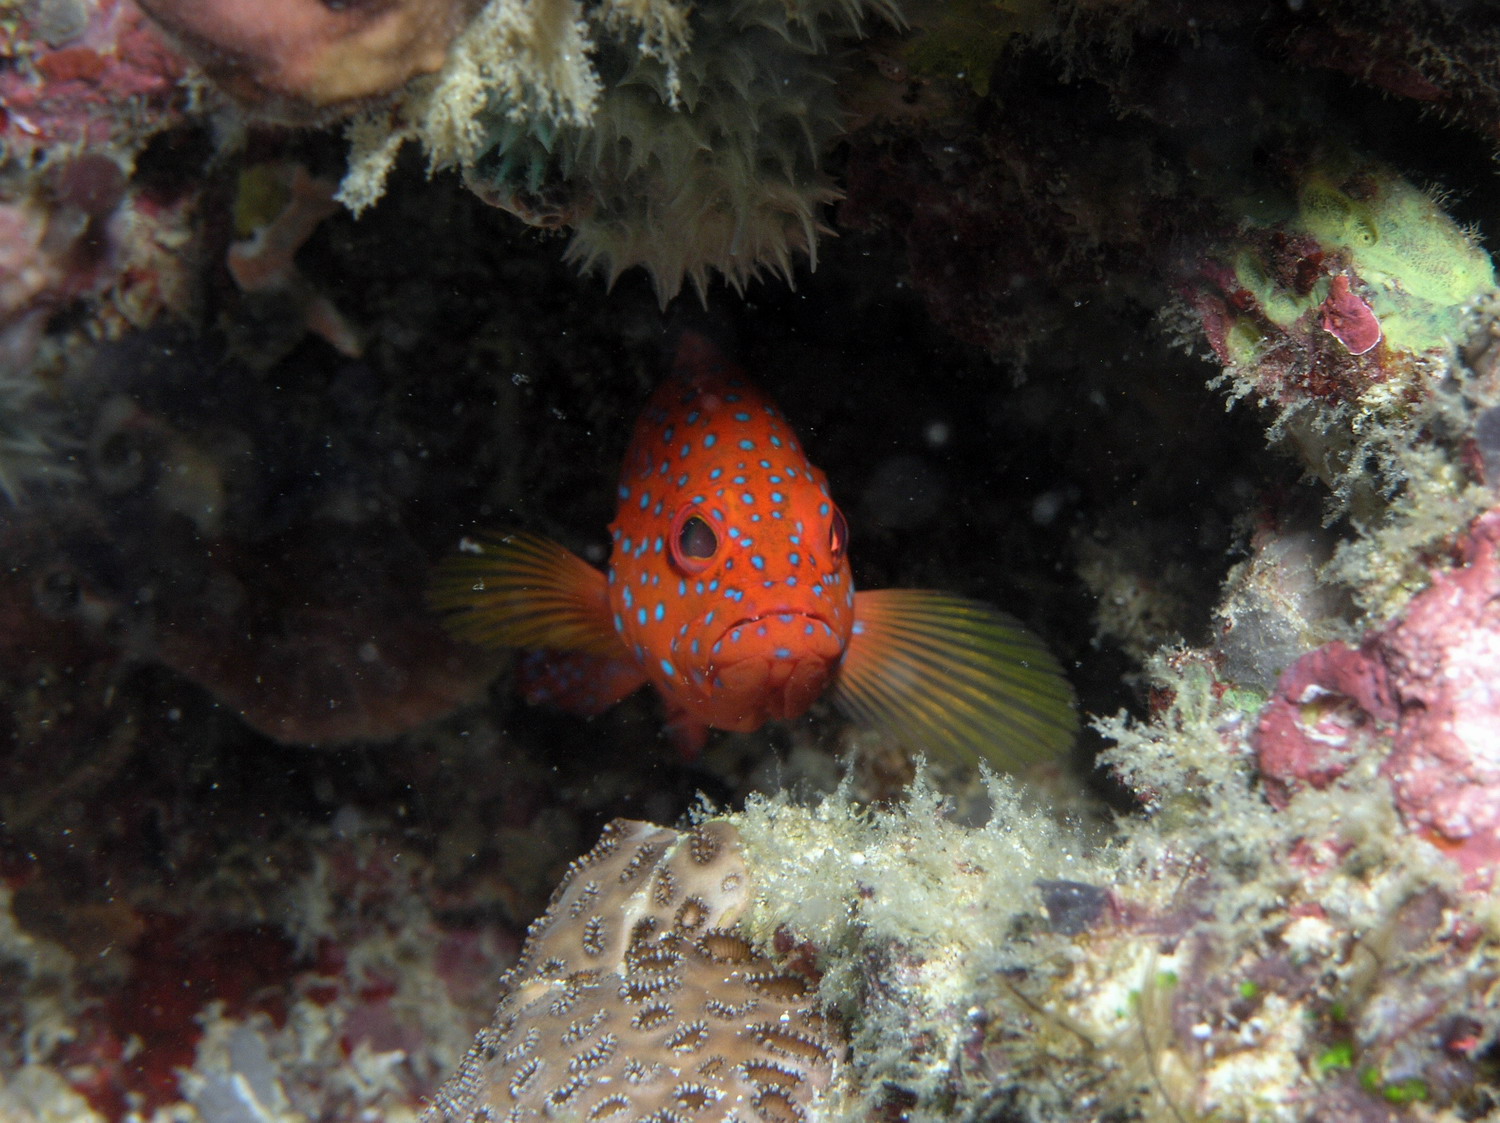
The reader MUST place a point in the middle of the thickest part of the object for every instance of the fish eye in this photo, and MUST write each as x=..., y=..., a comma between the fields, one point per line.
x=838, y=535
x=694, y=541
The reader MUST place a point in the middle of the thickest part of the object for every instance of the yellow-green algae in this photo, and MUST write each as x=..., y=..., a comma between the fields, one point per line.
x=1418, y=270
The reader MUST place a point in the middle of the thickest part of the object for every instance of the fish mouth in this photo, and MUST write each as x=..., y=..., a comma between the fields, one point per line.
x=783, y=617
x=773, y=665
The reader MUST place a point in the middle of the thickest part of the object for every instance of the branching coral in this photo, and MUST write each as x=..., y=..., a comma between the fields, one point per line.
x=685, y=139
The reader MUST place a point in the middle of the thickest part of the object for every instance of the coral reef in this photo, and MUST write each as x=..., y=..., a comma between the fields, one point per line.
x=267, y=836
x=1230, y=959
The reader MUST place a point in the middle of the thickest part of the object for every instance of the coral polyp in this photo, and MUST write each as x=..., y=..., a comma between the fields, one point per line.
x=687, y=140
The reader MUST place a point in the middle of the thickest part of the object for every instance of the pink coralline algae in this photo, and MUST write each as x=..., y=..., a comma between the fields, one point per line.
x=1349, y=319
x=1425, y=685
x=101, y=79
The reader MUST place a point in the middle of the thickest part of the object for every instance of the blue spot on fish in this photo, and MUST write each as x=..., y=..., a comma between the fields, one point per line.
x=757, y=561
x=710, y=440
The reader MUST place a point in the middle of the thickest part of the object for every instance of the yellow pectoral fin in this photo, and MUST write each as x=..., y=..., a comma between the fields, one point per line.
x=523, y=590
x=954, y=676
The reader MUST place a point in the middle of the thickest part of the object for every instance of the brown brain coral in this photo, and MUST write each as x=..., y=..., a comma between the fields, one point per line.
x=636, y=999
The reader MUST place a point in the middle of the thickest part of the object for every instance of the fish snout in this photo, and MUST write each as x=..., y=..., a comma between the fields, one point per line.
x=774, y=667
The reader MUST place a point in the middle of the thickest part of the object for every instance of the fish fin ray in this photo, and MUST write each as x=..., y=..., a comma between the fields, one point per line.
x=524, y=591
x=954, y=676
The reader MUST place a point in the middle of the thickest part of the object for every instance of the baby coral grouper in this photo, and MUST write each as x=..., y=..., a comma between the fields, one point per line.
x=729, y=591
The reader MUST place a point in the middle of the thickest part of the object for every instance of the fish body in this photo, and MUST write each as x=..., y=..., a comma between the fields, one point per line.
x=729, y=572
x=729, y=591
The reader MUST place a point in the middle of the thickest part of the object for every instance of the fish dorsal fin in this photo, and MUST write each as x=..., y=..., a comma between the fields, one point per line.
x=954, y=676
x=524, y=590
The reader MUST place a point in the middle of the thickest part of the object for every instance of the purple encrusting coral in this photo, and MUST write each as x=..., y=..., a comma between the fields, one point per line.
x=268, y=835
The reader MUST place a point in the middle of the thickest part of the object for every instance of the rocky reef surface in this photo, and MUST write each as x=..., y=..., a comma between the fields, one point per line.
x=1169, y=328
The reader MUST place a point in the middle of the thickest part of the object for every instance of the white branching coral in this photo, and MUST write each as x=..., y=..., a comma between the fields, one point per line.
x=636, y=999
x=683, y=138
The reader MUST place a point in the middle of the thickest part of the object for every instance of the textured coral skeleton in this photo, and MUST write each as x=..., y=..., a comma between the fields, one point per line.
x=637, y=998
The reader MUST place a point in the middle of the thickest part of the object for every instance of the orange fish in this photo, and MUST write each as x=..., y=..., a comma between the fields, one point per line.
x=729, y=591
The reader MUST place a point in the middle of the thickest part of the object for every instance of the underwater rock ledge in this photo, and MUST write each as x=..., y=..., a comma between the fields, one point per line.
x=1230, y=959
